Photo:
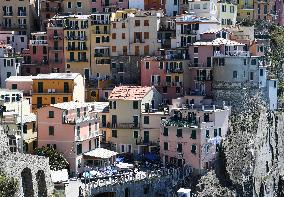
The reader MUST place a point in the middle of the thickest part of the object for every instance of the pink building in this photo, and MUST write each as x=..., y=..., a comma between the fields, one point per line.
x=55, y=41
x=166, y=71
x=35, y=58
x=109, y=5
x=192, y=135
x=72, y=128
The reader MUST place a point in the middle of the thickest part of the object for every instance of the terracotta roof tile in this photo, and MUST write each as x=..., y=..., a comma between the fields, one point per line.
x=129, y=92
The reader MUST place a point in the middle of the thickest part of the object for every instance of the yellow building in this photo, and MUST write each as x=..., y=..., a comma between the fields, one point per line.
x=134, y=32
x=245, y=9
x=227, y=13
x=29, y=131
x=126, y=105
x=77, y=7
x=100, y=46
x=77, y=43
x=57, y=88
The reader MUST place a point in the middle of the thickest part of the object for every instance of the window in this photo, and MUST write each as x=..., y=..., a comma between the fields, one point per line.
x=251, y=76
x=51, y=114
x=166, y=146
x=90, y=145
x=195, y=49
x=113, y=25
x=34, y=49
x=69, y=4
x=123, y=25
x=114, y=133
x=232, y=9
x=193, y=134
x=94, y=10
x=79, y=4
x=146, y=35
x=146, y=120
x=235, y=74
x=113, y=35
x=52, y=100
x=135, y=134
x=207, y=135
x=135, y=104
x=146, y=22
x=260, y=73
x=113, y=49
x=14, y=86
x=179, y=147
x=65, y=99
x=51, y=130
x=166, y=131
x=193, y=149
x=98, y=39
x=123, y=35
x=220, y=132
x=179, y=132
x=114, y=104
x=223, y=8
x=137, y=23
x=147, y=65
x=215, y=132
x=79, y=149
x=175, y=2
x=122, y=148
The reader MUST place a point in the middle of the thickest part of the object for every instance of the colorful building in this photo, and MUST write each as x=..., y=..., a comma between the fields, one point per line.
x=100, y=46
x=125, y=127
x=265, y=10
x=55, y=41
x=134, y=32
x=18, y=15
x=108, y=6
x=77, y=7
x=57, y=88
x=77, y=42
x=14, y=38
x=36, y=56
x=48, y=9
x=245, y=9
x=71, y=128
x=10, y=63
x=166, y=71
x=192, y=135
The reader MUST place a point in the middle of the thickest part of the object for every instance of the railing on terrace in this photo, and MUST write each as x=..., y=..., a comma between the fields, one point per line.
x=232, y=53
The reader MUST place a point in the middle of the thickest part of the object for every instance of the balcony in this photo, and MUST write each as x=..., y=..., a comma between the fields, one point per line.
x=103, y=61
x=76, y=37
x=71, y=27
x=38, y=42
x=22, y=14
x=55, y=48
x=138, y=41
x=203, y=78
x=56, y=37
x=23, y=26
x=175, y=70
x=125, y=125
x=76, y=48
x=247, y=7
x=147, y=143
x=53, y=61
x=100, y=22
x=232, y=53
x=101, y=55
x=100, y=32
x=7, y=14
x=177, y=84
x=79, y=60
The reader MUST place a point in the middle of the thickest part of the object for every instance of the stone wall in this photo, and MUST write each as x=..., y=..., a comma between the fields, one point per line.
x=31, y=171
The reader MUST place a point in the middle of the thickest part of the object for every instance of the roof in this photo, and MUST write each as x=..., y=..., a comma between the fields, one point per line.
x=215, y=30
x=101, y=153
x=195, y=18
x=27, y=118
x=129, y=92
x=217, y=42
x=98, y=106
x=57, y=76
x=20, y=78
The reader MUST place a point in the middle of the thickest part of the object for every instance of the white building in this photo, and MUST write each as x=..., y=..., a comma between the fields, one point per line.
x=9, y=64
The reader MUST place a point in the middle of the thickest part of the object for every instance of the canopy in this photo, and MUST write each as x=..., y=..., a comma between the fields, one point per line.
x=59, y=176
x=101, y=153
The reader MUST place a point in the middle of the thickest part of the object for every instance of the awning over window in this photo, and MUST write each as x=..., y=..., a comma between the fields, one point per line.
x=100, y=153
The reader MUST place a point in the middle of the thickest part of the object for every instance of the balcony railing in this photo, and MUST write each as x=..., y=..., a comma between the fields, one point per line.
x=100, y=22
x=177, y=84
x=55, y=48
x=101, y=55
x=232, y=53
x=76, y=37
x=22, y=13
x=22, y=26
x=247, y=7
x=76, y=48
x=8, y=14
x=203, y=78
x=100, y=32
x=125, y=125
x=175, y=70
x=79, y=60
x=38, y=42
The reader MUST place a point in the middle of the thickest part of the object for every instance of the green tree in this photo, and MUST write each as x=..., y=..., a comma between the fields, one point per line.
x=56, y=159
x=8, y=186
